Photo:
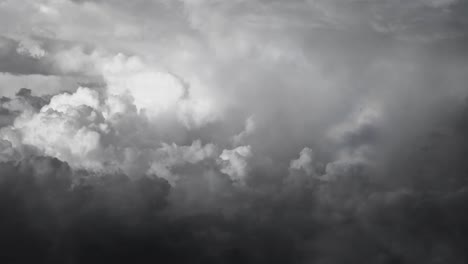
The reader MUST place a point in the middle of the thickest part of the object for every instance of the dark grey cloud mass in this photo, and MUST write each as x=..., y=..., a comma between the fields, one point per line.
x=210, y=131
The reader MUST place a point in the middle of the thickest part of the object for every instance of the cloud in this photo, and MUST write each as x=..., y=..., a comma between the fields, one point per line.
x=65, y=127
x=62, y=203
x=304, y=162
x=152, y=91
x=168, y=157
x=242, y=131
x=234, y=163
x=23, y=57
x=91, y=130
x=7, y=152
x=249, y=129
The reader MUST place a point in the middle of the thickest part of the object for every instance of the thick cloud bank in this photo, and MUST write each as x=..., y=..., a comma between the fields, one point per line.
x=209, y=131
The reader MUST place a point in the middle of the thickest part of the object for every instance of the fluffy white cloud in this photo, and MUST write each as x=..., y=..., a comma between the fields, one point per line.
x=68, y=128
x=98, y=132
x=66, y=103
x=153, y=91
x=235, y=163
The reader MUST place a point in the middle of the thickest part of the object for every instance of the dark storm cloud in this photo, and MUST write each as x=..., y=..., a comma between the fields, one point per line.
x=76, y=216
x=116, y=219
x=55, y=217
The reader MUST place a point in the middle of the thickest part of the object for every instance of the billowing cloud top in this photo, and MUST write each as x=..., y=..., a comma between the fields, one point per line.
x=210, y=131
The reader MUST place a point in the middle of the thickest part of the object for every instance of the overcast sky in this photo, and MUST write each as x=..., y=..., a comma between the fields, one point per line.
x=240, y=131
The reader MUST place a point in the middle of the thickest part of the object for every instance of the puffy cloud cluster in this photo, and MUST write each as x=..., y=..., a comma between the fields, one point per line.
x=67, y=128
x=88, y=130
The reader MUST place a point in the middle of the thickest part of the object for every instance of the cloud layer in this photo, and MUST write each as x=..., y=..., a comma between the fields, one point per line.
x=208, y=131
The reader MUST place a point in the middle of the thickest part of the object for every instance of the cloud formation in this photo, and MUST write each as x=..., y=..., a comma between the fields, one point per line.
x=207, y=131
